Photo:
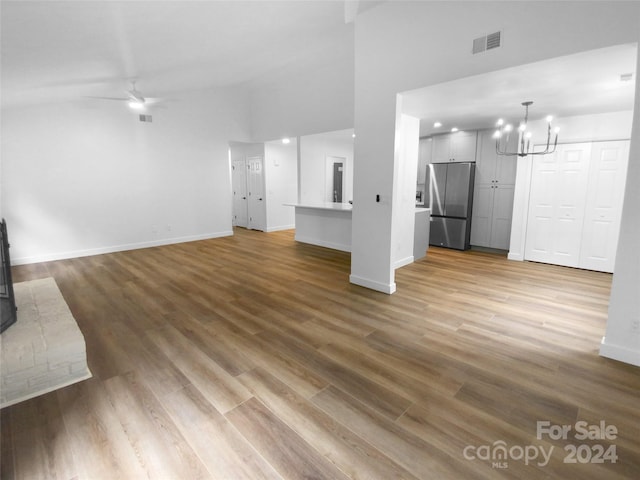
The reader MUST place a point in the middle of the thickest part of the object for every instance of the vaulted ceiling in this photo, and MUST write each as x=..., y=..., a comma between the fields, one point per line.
x=65, y=50
x=54, y=50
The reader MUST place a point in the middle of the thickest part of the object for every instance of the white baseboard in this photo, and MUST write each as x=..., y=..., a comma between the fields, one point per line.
x=282, y=227
x=620, y=353
x=515, y=256
x=403, y=262
x=373, y=285
x=50, y=257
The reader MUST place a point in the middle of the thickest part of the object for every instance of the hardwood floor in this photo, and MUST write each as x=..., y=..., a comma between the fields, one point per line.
x=251, y=357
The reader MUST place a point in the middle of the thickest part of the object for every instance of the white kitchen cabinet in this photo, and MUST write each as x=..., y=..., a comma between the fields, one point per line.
x=454, y=147
x=575, y=205
x=493, y=194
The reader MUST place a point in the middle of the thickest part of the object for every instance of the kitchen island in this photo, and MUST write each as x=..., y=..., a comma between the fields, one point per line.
x=329, y=225
x=324, y=224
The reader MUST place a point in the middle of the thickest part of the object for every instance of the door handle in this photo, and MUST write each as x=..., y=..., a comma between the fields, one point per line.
x=260, y=199
x=244, y=198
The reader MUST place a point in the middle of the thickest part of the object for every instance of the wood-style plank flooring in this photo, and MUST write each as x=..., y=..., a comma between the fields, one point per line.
x=252, y=357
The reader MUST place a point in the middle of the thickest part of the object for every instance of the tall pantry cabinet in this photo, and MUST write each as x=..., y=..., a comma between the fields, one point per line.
x=493, y=193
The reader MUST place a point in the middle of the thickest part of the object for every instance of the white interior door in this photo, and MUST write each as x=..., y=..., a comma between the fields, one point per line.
x=239, y=186
x=257, y=212
x=557, y=205
x=607, y=178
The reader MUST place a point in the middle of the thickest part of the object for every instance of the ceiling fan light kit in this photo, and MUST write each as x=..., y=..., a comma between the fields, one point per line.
x=134, y=99
x=525, y=136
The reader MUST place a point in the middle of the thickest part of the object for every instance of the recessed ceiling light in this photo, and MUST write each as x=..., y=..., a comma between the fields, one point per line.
x=437, y=125
x=454, y=129
x=286, y=141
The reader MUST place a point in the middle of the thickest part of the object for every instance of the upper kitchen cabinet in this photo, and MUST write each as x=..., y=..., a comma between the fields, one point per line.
x=492, y=168
x=454, y=147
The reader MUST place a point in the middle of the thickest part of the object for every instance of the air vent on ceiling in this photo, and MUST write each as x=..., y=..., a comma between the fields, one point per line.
x=488, y=42
x=146, y=118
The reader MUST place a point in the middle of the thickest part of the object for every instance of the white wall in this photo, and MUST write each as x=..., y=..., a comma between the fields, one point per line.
x=281, y=175
x=583, y=128
x=87, y=177
x=314, y=150
x=586, y=128
x=319, y=101
x=388, y=41
x=622, y=338
x=406, y=165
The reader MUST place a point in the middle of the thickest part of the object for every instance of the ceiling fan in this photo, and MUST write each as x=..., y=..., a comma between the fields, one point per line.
x=134, y=98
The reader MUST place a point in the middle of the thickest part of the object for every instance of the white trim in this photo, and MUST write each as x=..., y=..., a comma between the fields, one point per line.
x=620, y=353
x=515, y=256
x=115, y=248
x=404, y=261
x=281, y=227
x=373, y=285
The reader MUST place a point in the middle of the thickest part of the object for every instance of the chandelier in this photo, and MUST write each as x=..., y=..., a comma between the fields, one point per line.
x=525, y=136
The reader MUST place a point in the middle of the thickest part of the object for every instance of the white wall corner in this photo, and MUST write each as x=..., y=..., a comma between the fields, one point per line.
x=403, y=261
x=619, y=352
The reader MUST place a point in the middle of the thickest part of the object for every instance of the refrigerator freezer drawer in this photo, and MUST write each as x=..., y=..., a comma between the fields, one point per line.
x=449, y=232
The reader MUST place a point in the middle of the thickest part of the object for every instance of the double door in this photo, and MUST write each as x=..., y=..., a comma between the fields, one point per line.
x=575, y=205
x=249, y=206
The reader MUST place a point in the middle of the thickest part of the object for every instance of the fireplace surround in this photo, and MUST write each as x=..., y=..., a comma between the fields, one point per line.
x=8, y=312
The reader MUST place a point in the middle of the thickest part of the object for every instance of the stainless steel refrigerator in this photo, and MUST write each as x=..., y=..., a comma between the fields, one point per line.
x=450, y=197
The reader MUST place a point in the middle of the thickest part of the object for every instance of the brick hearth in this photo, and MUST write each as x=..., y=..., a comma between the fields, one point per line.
x=44, y=350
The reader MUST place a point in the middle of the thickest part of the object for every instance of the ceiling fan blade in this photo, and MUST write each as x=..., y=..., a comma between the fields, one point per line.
x=153, y=101
x=121, y=99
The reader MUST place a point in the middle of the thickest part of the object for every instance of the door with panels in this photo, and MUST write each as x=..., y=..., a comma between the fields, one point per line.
x=575, y=205
x=257, y=212
x=239, y=187
x=606, y=185
x=557, y=204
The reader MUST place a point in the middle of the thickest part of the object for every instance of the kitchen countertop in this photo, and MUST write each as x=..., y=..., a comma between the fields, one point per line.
x=341, y=207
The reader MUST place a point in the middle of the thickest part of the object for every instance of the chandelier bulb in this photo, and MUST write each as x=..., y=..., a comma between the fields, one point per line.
x=523, y=149
x=556, y=130
x=500, y=122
